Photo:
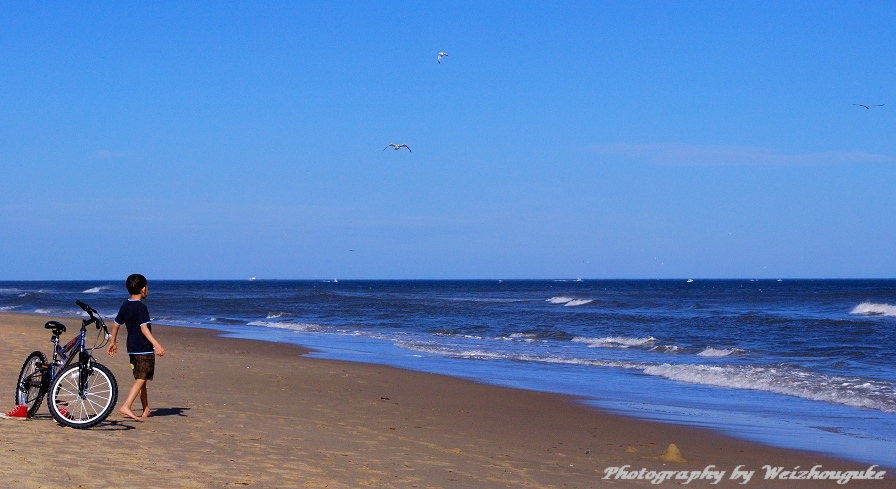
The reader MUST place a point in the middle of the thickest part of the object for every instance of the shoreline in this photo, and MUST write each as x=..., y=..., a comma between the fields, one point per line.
x=242, y=412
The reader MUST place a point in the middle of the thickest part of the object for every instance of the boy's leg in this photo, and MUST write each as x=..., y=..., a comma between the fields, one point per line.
x=143, y=366
x=144, y=399
x=136, y=389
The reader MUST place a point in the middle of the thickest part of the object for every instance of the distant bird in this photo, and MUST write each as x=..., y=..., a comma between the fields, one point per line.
x=441, y=55
x=397, y=147
x=869, y=106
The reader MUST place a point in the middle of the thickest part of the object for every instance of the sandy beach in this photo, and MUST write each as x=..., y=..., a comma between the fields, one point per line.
x=238, y=413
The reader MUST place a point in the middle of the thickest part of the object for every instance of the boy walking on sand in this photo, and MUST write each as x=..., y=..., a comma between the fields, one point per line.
x=142, y=345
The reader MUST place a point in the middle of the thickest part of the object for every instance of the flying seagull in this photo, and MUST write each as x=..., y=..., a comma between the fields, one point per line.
x=869, y=106
x=441, y=55
x=397, y=147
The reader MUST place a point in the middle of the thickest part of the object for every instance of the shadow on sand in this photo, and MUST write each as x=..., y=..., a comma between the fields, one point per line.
x=172, y=411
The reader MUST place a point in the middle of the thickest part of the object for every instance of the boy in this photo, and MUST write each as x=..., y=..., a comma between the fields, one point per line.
x=142, y=345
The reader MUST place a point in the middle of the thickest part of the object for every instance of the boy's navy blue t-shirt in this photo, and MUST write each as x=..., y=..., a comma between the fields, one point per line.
x=133, y=314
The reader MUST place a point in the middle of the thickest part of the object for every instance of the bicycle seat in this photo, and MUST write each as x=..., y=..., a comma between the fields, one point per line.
x=56, y=326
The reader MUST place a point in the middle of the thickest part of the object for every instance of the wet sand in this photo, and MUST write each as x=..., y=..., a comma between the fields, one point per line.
x=243, y=413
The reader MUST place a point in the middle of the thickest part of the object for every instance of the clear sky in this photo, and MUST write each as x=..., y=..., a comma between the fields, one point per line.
x=655, y=139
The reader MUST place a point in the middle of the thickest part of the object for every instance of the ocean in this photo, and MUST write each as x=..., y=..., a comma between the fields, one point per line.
x=805, y=364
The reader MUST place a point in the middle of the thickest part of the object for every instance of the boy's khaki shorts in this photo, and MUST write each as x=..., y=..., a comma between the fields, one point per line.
x=144, y=366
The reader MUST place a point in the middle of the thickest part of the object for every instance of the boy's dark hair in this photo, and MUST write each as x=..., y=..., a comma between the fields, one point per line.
x=135, y=283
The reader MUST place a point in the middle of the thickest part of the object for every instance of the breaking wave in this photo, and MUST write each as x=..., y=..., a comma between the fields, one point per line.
x=717, y=352
x=850, y=391
x=288, y=325
x=96, y=290
x=779, y=379
x=569, y=301
x=615, y=342
x=870, y=309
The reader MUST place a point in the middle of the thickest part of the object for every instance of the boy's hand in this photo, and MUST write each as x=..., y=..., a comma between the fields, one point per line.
x=159, y=350
x=112, y=349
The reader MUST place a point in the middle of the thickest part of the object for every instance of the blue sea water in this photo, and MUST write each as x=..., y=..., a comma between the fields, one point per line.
x=796, y=363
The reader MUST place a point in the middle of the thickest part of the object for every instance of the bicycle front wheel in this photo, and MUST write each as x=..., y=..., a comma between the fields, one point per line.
x=77, y=407
x=30, y=387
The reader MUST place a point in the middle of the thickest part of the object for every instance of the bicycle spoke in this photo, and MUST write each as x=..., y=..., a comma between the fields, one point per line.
x=83, y=412
x=97, y=407
x=67, y=392
x=85, y=403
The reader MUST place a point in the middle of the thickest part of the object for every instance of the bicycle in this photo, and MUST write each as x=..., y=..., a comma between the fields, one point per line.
x=82, y=393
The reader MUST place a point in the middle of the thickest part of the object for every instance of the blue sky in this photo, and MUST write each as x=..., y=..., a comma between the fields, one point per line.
x=188, y=140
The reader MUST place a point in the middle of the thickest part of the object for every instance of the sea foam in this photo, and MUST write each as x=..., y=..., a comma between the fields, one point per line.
x=718, y=352
x=287, y=325
x=96, y=290
x=850, y=391
x=569, y=301
x=614, y=341
x=870, y=309
x=559, y=300
x=779, y=379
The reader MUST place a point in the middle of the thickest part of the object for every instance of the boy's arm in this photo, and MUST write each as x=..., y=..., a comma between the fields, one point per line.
x=113, y=346
x=155, y=344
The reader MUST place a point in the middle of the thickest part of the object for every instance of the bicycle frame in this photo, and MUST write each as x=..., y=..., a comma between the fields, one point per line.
x=64, y=356
x=63, y=352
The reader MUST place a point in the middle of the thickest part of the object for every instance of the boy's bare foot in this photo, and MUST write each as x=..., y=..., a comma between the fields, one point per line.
x=127, y=412
x=145, y=412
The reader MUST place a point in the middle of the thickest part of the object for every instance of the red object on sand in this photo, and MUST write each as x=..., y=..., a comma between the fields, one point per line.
x=20, y=412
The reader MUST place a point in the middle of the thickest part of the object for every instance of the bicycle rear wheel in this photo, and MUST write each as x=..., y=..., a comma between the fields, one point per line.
x=30, y=387
x=76, y=409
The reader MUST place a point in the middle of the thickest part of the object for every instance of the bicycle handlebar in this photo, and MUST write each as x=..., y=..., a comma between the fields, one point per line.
x=94, y=316
x=87, y=309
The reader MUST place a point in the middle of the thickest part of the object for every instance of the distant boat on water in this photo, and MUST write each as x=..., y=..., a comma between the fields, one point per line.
x=690, y=280
x=251, y=279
